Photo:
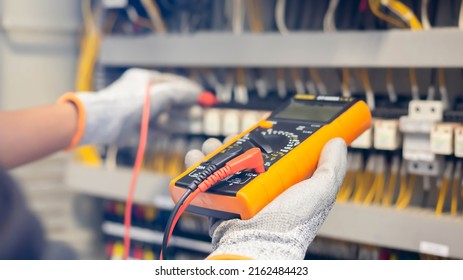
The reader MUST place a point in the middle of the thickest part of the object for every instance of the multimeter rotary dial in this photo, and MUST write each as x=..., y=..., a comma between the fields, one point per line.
x=270, y=141
x=273, y=143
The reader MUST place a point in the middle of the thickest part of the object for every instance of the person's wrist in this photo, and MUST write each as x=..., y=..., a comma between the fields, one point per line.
x=104, y=116
x=71, y=99
x=257, y=239
x=97, y=121
x=261, y=245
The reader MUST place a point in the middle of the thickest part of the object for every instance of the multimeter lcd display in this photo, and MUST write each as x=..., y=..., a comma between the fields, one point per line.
x=309, y=112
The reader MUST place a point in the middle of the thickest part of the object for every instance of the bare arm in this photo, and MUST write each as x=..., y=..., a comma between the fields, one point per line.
x=30, y=134
x=105, y=118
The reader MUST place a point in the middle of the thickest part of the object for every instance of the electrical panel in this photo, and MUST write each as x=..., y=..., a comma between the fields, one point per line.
x=254, y=55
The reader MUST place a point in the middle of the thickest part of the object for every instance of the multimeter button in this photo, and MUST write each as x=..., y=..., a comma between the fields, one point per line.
x=266, y=124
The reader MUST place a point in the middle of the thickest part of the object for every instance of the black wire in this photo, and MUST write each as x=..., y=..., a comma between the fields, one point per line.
x=434, y=7
x=340, y=14
x=171, y=220
x=433, y=81
x=360, y=22
x=306, y=13
x=210, y=168
x=454, y=12
x=291, y=11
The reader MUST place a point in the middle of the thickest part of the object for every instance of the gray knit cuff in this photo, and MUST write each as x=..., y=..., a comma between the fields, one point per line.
x=236, y=237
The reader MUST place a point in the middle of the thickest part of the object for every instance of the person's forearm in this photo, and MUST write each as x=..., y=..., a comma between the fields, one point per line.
x=30, y=134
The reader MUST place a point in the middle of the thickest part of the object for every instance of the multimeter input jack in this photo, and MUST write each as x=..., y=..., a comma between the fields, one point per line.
x=232, y=161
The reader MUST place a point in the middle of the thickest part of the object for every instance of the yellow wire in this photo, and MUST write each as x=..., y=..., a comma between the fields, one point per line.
x=90, y=46
x=347, y=186
x=367, y=178
x=412, y=74
x=413, y=82
x=86, y=6
x=369, y=94
x=454, y=201
x=349, y=189
x=441, y=77
x=442, y=86
x=387, y=199
x=315, y=76
x=379, y=188
x=85, y=69
x=402, y=189
x=255, y=15
x=442, y=194
x=405, y=13
x=363, y=181
x=346, y=80
x=343, y=188
x=240, y=77
x=295, y=76
x=118, y=251
x=389, y=76
x=372, y=191
x=446, y=180
x=374, y=6
x=161, y=156
x=376, y=191
x=358, y=192
x=148, y=255
x=175, y=165
x=408, y=194
x=158, y=162
x=365, y=80
x=281, y=75
x=84, y=80
x=154, y=14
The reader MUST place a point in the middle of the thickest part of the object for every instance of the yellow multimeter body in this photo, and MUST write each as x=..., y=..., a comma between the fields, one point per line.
x=291, y=140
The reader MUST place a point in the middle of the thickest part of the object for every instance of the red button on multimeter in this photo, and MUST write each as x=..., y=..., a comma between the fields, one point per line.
x=291, y=140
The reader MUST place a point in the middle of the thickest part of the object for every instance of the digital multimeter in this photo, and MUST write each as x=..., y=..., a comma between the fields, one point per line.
x=291, y=140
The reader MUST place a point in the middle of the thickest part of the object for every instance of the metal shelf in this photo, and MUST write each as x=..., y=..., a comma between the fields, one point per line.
x=155, y=237
x=397, y=48
x=114, y=184
x=412, y=229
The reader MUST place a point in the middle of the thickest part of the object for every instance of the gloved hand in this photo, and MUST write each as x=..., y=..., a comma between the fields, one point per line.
x=285, y=227
x=112, y=115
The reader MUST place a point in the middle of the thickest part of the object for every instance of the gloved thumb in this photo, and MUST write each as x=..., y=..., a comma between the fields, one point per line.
x=307, y=197
x=332, y=163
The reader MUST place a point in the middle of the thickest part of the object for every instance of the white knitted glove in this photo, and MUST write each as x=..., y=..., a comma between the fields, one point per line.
x=112, y=115
x=285, y=227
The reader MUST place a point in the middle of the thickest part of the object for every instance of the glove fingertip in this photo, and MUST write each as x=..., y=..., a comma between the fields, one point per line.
x=210, y=145
x=193, y=157
x=333, y=161
x=334, y=150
